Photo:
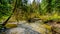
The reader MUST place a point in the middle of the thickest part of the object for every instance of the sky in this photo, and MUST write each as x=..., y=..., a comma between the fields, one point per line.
x=30, y=1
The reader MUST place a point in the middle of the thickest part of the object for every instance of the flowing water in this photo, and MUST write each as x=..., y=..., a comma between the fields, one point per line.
x=26, y=28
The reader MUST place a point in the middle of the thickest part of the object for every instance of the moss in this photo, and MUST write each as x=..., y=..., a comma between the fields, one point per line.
x=11, y=25
x=47, y=27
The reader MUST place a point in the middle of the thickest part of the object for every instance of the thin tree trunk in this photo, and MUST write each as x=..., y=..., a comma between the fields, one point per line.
x=4, y=23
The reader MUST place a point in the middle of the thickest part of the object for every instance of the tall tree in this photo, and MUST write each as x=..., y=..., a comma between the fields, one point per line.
x=4, y=23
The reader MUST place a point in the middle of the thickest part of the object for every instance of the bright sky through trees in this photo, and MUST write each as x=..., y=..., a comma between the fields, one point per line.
x=30, y=1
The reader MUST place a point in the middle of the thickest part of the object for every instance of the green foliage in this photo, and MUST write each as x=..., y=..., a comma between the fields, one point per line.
x=5, y=8
x=22, y=4
x=45, y=7
x=57, y=5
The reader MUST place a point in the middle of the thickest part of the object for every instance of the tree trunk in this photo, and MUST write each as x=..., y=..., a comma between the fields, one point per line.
x=4, y=23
